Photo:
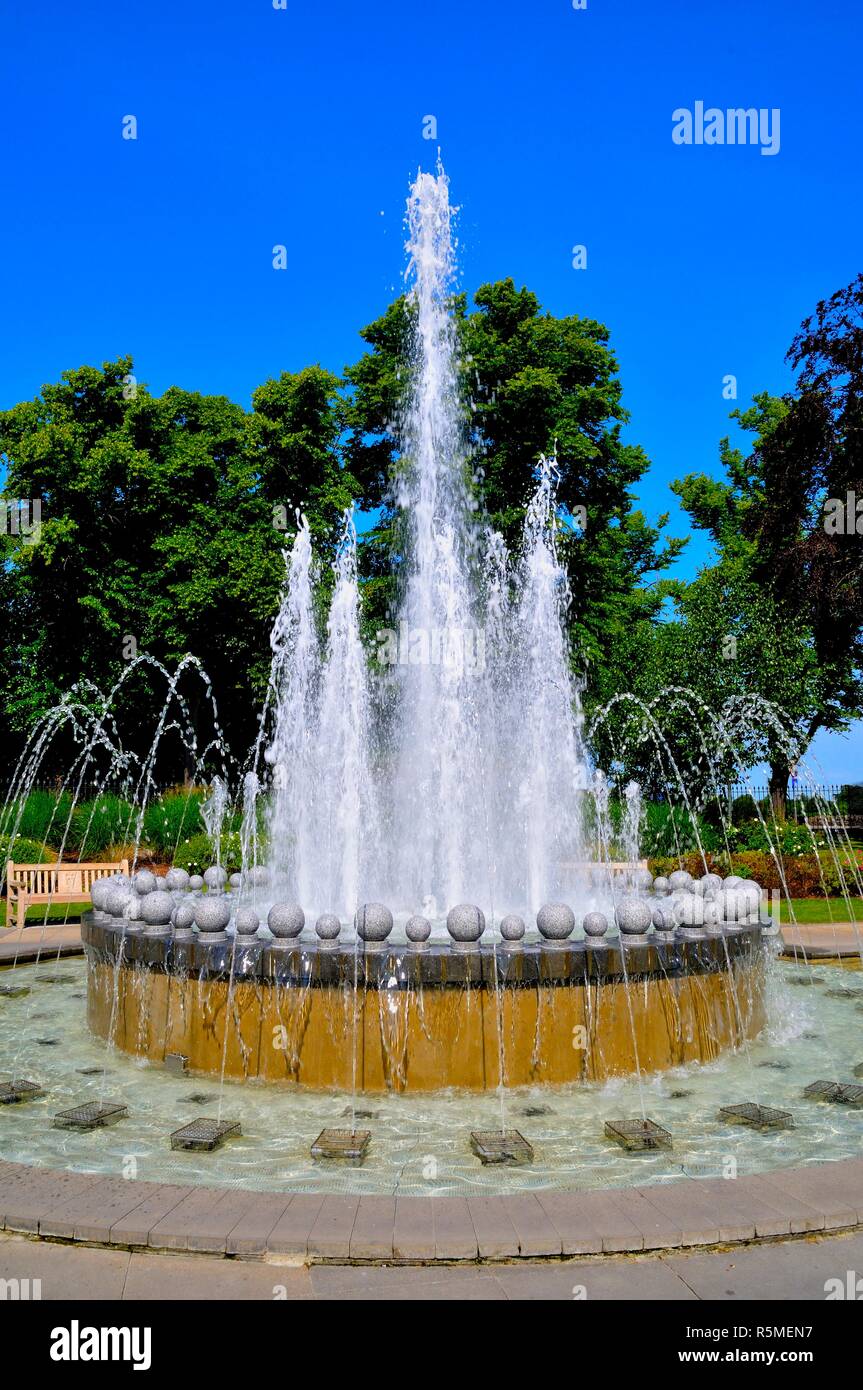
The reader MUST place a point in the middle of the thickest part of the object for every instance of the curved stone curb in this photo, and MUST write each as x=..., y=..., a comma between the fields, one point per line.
x=313, y=1228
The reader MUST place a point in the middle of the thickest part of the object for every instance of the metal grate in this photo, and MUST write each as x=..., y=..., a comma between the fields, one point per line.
x=500, y=1146
x=749, y=1112
x=12, y=1092
x=839, y=1092
x=635, y=1135
x=204, y=1135
x=346, y=1145
x=92, y=1115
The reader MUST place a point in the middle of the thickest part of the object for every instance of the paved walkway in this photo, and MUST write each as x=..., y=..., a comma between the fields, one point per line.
x=788, y=1270
x=314, y=1228
x=36, y=942
x=820, y=941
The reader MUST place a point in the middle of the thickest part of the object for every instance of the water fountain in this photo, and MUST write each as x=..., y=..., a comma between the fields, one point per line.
x=432, y=893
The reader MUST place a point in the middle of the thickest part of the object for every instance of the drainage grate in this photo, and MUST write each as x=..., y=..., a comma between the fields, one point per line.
x=11, y=1092
x=91, y=1115
x=347, y=1145
x=203, y=1135
x=839, y=1092
x=500, y=1146
x=634, y=1135
x=749, y=1112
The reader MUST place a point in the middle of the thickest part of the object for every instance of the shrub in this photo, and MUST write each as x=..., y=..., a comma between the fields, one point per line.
x=196, y=854
x=25, y=851
x=96, y=825
x=804, y=876
x=665, y=828
x=172, y=819
x=43, y=817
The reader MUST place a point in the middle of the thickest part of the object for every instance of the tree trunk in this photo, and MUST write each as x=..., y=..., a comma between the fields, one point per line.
x=779, y=772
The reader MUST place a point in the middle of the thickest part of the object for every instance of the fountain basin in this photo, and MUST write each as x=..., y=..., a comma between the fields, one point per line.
x=424, y=1020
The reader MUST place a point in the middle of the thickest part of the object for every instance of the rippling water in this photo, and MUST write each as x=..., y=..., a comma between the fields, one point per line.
x=420, y=1144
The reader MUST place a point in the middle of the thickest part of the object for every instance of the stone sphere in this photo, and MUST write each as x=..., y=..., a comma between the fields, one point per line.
x=556, y=921
x=246, y=921
x=711, y=881
x=731, y=904
x=661, y=885
x=732, y=881
x=212, y=914
x=99, y=891
x=712, y=914
x=183, y=916
x=633, y=916
x=373, y=922
x=465, y=923
x=177, y=880
x=643, y=880
x=215, y=878
x=328, y=926
x=258, y=876
x=418, y=929
x=116, y=899
x=595, y=924
x=697, y=887
x=236, y=881
x=512, y=927
x=144, y=882
x=196, y=883
x=132, y=911
x=156, y=908
x=680, y=879
x=752, y=893
x=689, y=911
x=286, y=919
x=663, y=919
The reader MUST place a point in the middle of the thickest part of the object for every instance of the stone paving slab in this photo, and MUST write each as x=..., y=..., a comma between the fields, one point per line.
x=315, y=1227
x=35, y=943
x=413, y=1229
x=454, y=1233
x=373, y=1232
x=250, y=1235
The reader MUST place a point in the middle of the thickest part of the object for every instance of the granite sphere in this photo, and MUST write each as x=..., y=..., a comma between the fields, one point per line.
x=132, y=910
x=236, y=882
x=512, y=927
x=465, y=923
x=177, y=881
x=633, y=916
x=215, y=878
x=595, y=924
x=145, y=882
x=286, y=919
x=212, y=914
x=183, y=916
x=99, y=891
x=661, y=885
x=643, y=880
x=663, y=919
x=711, y=881
x=246, y=921
x=680, y=879
x=116, y=899
x=196, y=883
x=556, y=921
x=258, y=876
x=328, y=926
x=418, y=929
x=373, y=922
x=156, y=908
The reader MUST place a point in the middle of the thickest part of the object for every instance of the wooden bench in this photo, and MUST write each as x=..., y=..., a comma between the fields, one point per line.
x=27, y=884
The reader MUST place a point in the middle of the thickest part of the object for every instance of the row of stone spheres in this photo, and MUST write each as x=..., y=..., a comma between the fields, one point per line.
x=188, y=906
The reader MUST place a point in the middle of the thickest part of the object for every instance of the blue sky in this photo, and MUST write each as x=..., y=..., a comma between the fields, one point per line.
x=302, y=126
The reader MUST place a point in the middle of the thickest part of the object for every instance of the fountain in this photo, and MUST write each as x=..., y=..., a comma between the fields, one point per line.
x=402, y=798
x=440, y=898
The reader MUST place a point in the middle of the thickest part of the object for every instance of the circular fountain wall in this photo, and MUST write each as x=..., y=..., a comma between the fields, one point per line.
x=399, y=1018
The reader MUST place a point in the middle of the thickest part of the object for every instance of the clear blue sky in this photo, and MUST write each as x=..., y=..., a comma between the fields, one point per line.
x=303, y=126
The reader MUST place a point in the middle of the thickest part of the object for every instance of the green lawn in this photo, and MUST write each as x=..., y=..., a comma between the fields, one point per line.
x=58, y=913
x=814, y=910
